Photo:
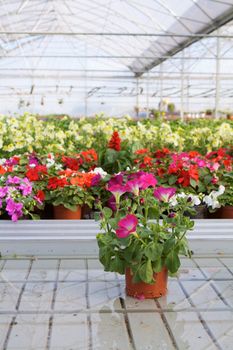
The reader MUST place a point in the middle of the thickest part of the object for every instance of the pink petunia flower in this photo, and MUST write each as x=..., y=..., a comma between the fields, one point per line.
x=142, y=182
x=117, y=190
x=126, y=226
x=163, y=194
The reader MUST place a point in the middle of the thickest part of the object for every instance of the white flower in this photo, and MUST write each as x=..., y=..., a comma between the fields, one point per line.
x=100, y=171
x=2, y=161
x=50, y=162
x=195, y=200
x=212, y=199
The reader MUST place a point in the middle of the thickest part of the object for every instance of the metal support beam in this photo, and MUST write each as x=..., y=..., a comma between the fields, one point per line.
x=147, y=94
x=182, y=87
x=217, y=78
x=190, y=39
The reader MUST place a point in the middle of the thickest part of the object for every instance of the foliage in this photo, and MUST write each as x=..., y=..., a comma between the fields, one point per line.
x=145, y=232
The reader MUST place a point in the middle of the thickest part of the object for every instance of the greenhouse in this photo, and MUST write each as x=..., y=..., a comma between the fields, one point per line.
x=116, y=174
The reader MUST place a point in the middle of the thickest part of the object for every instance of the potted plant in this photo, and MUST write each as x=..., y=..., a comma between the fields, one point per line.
x=220, y=202
x=144, y=234
x=68, y=192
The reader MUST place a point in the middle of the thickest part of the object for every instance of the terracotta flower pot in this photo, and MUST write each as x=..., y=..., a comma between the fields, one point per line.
x=62, y=213
x=222, y=213
x=226, y=212
x=145, y=290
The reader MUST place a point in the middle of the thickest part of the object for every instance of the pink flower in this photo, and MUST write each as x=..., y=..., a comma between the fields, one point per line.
x=147, y=180
x=201, y=163
x=142, y=182
x=116, y=180
x=140, y=297
x=163, y=194
x=117, y=190
x=3, y=191
x=14, y=209
x=214, y=166
x=133, y=186
x=15, y=180
x=126, y=226
x=26, y=187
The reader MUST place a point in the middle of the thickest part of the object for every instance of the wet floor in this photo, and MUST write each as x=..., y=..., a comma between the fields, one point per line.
x=72, y=304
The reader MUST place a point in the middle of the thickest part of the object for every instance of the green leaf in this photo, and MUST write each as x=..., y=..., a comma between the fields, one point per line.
x=70, y=206
x=117, y=265
x=168, y=245
x=153, y=251
x=172, y=261
x=172, y=179
x=193, y=183
x=107, y=212
x=157, y=265
x=96, y=216
x=146, y=272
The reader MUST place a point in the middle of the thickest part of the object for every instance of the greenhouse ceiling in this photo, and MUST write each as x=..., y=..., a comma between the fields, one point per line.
x=95, y=47
x=140, y=35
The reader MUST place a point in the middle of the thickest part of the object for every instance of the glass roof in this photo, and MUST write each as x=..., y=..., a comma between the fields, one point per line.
x=69, y=49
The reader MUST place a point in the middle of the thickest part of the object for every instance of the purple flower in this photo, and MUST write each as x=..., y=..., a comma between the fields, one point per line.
x=126, y=226
x=3, y=191
x=14, y=209
x=112, y=203
x=33, y=160
x=116, y=180
x=25, y=187
x=11, y=161
x=163, y=194
x=0, y=203
x=15, y=180
x=96, y=180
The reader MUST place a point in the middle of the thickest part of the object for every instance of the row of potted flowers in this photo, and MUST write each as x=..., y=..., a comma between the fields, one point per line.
x=30, y=181
x=29, y=133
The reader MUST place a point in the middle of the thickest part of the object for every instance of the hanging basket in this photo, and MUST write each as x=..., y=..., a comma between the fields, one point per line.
x=145, y=290
x=62, y=213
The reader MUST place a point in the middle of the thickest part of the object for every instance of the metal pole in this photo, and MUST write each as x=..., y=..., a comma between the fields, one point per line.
x=161, y=89
x=85, y=83
x=182, y=88
x=137, y=97
x=217, y=78
x=147, y=95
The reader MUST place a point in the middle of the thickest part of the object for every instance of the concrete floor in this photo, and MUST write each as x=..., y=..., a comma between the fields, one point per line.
x=72, y=304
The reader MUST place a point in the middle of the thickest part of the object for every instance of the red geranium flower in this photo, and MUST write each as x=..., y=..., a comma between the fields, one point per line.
x=34, y=174
x=55, y=182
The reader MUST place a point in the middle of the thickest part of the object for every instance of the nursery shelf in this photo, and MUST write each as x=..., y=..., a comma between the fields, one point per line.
x=78, y=237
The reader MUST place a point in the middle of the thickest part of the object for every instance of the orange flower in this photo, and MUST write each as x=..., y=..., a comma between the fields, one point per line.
x=82, y=179
x=89, y=156
x=142, y=151
x=2, y=170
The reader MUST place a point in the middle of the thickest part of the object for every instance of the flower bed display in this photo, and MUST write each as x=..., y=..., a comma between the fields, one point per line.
x=32, y=179
x=28, y=134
